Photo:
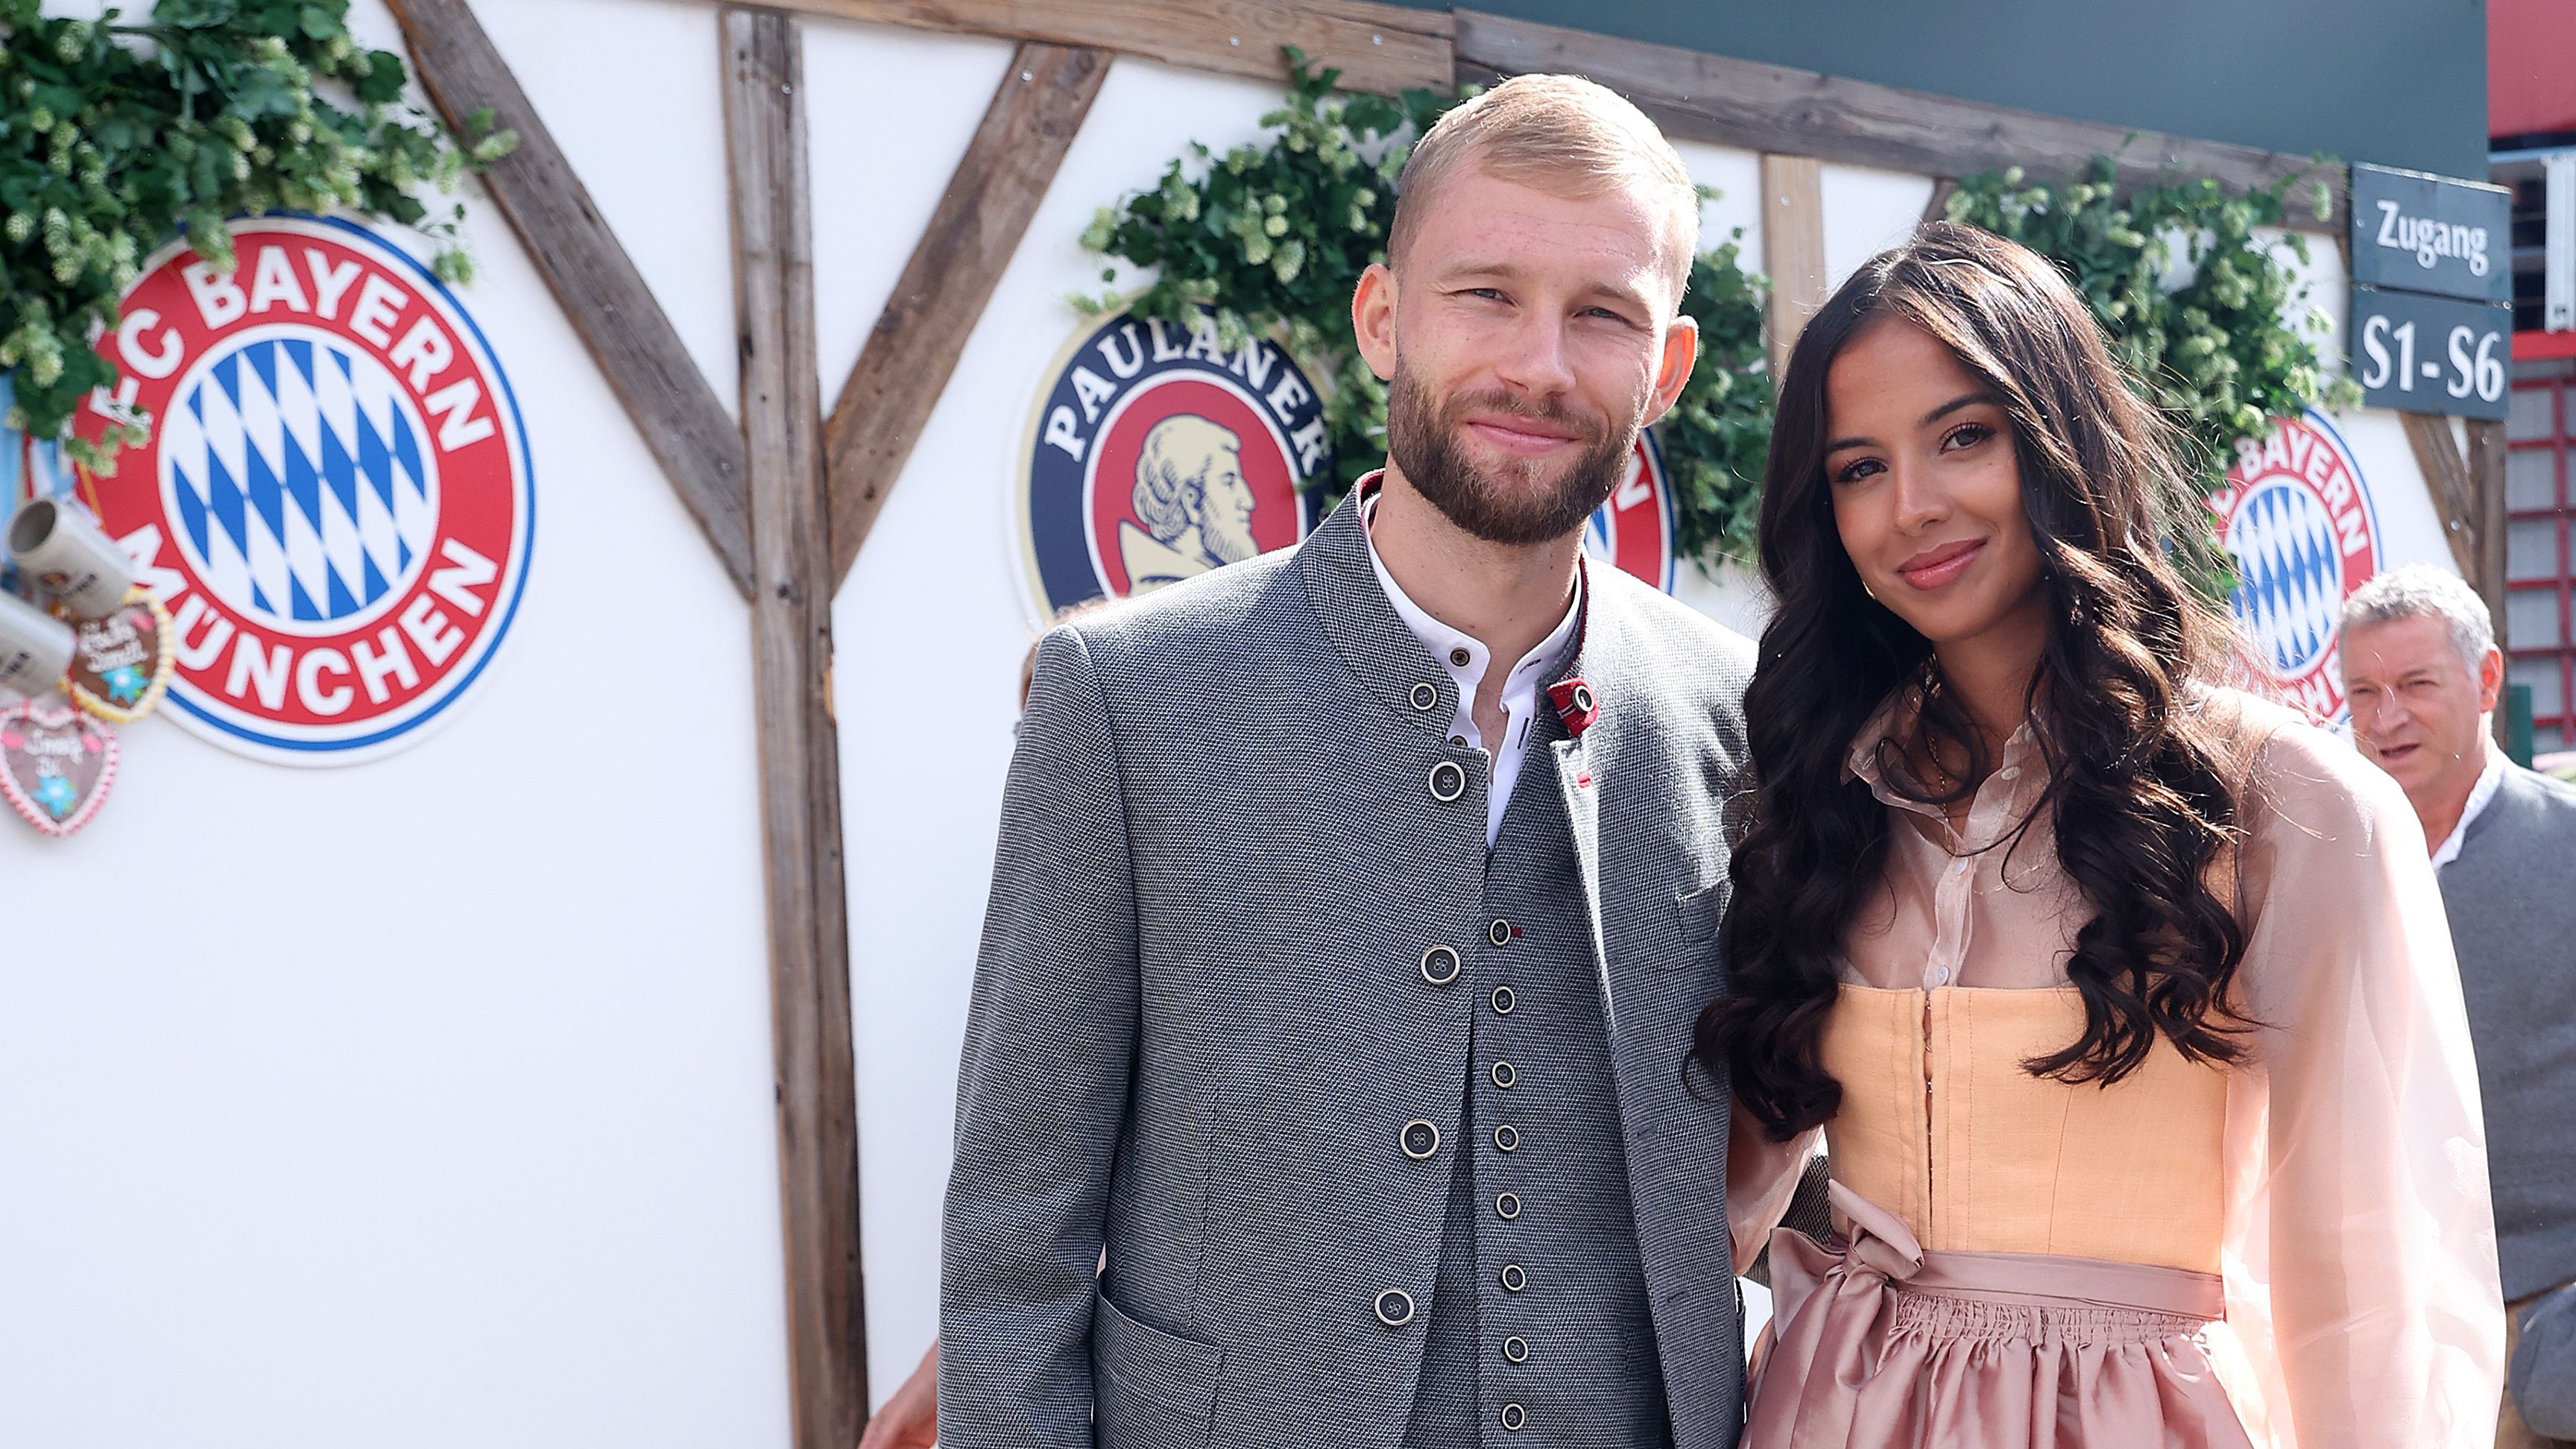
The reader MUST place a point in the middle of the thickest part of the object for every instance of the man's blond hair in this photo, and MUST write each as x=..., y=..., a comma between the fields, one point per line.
x=1560, y=134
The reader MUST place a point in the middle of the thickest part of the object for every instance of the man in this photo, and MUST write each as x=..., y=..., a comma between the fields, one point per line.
x=1352, y=906
x=1191, y=497
x=2422, y=671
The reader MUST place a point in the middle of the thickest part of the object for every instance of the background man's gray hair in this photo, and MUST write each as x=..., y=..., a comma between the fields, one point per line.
x=2421, y=589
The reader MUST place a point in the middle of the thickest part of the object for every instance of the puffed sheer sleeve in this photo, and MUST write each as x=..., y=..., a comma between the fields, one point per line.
x=1761, y=1179
x=2360, y=1256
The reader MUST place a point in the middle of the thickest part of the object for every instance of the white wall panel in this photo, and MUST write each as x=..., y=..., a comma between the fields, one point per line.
x=1737, y=175
x=1866, y=212
x=632, y=90
x=891, y=111
x=427, y=1102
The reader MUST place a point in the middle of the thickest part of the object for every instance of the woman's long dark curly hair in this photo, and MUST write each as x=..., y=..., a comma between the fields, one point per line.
x=2141, y=799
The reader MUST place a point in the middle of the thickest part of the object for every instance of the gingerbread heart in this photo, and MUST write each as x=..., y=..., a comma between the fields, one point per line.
x=121, y=664
x=56, y=763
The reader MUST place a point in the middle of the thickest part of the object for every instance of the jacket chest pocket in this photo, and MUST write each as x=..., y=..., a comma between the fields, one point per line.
x=1697, y=914
x=1149, y=1389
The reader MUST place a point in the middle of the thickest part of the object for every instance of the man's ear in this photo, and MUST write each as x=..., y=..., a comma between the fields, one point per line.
x=2490, y=680
x=1673, y=370
x=1373, y=319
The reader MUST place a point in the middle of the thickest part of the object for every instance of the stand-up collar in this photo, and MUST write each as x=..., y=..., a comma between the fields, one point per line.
x=1390, y=656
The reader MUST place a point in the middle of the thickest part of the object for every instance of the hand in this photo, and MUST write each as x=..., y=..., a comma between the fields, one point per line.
x=910, y=1419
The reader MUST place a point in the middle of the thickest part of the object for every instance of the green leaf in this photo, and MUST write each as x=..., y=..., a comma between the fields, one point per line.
x=383, y=83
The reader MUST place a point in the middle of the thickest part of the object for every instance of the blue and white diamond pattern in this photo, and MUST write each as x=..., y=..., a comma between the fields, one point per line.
x=297, y=480
x=2289, y=565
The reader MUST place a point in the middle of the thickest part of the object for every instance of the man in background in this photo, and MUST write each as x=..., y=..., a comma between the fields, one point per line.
x=2422, y=672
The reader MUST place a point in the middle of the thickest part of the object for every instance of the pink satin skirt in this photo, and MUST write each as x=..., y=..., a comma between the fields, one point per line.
x=1876, y=1343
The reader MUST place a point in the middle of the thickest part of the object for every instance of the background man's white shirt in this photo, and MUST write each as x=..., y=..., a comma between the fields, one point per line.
x=2479, y=794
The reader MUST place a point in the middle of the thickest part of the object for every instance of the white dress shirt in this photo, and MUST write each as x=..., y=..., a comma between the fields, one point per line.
x=2479, y=796
x=1465, y=657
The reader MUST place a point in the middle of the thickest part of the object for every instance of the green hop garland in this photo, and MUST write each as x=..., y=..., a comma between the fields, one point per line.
x=114, y=138
x=2213, y=350
x=1271, y=237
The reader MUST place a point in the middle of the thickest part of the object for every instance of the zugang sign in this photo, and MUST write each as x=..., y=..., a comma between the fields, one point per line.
x=335, y=503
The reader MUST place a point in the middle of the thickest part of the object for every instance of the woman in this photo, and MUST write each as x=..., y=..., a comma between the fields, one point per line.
x=2124, y=1000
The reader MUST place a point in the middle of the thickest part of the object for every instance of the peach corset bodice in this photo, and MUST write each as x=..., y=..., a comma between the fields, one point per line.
x=1942, y=1125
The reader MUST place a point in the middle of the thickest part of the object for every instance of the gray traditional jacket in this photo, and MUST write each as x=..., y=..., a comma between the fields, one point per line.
x=1240, y=886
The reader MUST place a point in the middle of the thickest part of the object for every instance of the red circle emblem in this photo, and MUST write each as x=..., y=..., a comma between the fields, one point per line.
x=1196, y=476
x=335, y=501
x=2299, y=522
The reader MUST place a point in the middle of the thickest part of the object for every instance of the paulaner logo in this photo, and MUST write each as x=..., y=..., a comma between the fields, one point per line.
x=2428, y=240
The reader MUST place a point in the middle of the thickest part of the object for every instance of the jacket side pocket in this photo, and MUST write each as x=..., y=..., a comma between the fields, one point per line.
x=1150, y=1389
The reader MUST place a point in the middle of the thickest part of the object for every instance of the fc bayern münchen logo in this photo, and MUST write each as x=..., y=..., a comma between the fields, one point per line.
x=335, y=503
x=1633, y=532
x=2300, y=523
x=1158, y=453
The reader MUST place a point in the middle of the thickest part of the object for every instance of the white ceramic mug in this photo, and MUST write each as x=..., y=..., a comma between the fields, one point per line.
x=70, y=557
x=35, y=647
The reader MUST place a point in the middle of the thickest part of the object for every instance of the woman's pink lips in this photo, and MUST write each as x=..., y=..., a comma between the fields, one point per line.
x=1935, y=567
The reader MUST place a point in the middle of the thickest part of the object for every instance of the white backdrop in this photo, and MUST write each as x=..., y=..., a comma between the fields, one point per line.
x=433, y=1095
x=427, y=1102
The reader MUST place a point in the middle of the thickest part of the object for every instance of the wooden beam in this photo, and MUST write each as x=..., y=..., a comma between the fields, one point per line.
x=800, y=773
x=2486, y=470
x=683, y=422
x=913, y=351
x=2487, y=458
x=2446, y=477
x=1376, y=47
x=1793, y=250
x=1937, y=206
x=1768, y=108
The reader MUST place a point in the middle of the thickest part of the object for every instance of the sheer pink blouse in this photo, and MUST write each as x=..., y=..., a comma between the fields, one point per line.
x=2348, y=1215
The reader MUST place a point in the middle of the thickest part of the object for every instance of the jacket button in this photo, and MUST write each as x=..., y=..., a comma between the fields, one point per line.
x=1440, y=965
x=1503, y=1001
x=1516, y=1349
x=1507, y=1206
x=1507, y=1138
x=1395, y=1308
x=1503, y=1075
x=1425, y=695
x=1420, y=1139
x=1448, y=781
x=1514, y=1280
x=1513, y=1417
x=1500, y=933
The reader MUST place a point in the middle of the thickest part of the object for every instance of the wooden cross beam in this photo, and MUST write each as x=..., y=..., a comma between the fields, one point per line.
x=1793, y=251
x=1773, y=108
x=2446, y=477
x=1376, y=47
x=786, y=525
x=800, y=753
x=683, y=422
x=973, y=235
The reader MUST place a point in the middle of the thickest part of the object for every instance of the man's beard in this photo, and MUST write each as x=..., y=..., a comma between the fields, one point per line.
x=1424, y=446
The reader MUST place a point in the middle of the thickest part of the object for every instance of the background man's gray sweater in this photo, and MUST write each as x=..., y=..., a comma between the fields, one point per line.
x=2512, y=899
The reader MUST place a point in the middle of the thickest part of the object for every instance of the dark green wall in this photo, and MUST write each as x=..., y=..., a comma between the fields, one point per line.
x=2399, y=82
